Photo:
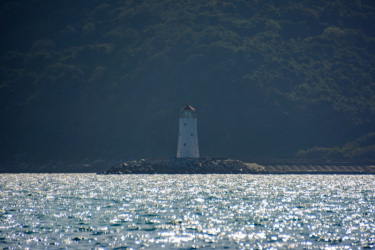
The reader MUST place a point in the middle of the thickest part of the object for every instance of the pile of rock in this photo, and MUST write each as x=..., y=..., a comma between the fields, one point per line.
x=186, y=166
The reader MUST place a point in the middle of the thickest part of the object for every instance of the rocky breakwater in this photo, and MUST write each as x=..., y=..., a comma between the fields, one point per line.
x=186, y=166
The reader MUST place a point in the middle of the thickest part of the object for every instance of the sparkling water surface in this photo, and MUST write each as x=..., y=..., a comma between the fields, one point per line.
x=88, y=211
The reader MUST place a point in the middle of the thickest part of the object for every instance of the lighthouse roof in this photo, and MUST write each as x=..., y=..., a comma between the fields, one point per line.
x=188, y=108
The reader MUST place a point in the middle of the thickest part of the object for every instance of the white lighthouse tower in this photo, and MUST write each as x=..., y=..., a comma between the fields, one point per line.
x=188, y=135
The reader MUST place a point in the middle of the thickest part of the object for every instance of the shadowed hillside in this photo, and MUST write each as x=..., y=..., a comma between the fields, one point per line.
x=103, y=79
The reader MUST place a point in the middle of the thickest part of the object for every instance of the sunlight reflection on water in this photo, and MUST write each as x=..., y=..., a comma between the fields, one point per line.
x=187, y=211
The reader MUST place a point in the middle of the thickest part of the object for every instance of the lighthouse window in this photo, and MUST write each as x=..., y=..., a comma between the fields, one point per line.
x=191, y=134
x=184, y=144
x=185, y=124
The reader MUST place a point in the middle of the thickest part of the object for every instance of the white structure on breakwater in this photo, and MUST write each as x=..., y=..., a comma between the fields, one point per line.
x=188, y=136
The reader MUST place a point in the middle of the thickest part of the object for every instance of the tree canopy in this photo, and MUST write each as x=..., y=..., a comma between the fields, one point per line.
x=269, y=79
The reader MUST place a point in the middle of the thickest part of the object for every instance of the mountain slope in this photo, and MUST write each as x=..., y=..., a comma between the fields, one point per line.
x=90, y=79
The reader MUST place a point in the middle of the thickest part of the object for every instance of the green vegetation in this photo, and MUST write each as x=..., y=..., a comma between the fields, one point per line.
x=269, y=79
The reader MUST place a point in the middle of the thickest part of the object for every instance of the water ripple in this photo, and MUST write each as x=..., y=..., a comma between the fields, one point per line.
x=187, y=211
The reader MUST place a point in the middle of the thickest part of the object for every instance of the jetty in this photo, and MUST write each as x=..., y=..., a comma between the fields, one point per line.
x=188, y=160
x=231, y=166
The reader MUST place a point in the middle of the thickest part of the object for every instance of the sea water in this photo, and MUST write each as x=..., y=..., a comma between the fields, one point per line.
x=88, y=211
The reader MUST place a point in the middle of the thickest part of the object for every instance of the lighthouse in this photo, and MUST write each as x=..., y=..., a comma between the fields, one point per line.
x=188, y=136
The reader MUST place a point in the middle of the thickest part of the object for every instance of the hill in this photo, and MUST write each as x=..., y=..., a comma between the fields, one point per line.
x=269, y=79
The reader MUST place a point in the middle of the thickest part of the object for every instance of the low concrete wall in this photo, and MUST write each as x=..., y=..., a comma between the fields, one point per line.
x=319, y=168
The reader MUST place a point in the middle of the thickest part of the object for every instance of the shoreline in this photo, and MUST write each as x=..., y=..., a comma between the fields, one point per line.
x=193, y=166
x=232, y=166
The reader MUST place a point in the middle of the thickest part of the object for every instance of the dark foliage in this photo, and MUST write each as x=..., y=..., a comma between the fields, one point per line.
x=92, y=79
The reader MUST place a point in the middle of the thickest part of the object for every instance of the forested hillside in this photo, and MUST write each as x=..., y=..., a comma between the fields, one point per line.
x=106, y=79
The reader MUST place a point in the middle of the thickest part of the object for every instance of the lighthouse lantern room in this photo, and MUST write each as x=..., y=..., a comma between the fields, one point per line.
x=188, y=136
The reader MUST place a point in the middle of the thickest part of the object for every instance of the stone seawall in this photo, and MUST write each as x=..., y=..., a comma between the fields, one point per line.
x=186, y=166
x=230, y=166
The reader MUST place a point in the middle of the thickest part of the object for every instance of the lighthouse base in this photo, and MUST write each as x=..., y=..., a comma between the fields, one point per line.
x=186, y=166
